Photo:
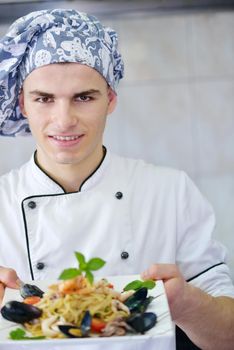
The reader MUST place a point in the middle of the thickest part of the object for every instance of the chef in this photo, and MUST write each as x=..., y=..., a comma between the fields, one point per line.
x=59, y=70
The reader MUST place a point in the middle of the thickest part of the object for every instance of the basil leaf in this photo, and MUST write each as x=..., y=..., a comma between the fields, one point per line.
x=20, y=334
x=17, y=334
x=137, y=284
x=80, y=258
x=69, y=273
x=134, y=285
x=89, y=276
x=95, y=264
x=149, y=284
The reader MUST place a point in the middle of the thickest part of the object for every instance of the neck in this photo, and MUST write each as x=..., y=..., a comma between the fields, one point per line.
x=69, y=176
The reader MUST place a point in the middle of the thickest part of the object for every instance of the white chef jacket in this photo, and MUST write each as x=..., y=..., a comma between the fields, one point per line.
x=130, y=213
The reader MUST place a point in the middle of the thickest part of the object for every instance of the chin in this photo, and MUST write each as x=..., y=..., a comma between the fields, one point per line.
x=64, y=161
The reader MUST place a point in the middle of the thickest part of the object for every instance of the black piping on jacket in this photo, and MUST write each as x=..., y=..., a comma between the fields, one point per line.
x=50, y=195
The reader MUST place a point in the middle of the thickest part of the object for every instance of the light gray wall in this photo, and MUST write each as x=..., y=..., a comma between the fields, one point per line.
x=176, y=104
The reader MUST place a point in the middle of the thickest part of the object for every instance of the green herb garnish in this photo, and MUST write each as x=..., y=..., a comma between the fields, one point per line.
x=137, y=284
x=84, y=266
x=20, y=334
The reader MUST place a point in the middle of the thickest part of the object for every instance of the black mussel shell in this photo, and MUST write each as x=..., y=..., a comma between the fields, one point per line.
x=78, y=332
x=18, y=312
x=137, y=300
x=142, y=322
x=145, y=304
x=86, y=324
x=29, y=290
x=70, y=331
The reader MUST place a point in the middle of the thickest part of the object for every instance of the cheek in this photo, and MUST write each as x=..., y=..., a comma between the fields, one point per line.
x=96, y=117
x=98, y=121
x=36, y=121
x=35, y=114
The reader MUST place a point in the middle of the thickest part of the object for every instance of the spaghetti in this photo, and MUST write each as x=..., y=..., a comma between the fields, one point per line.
x=65, y=303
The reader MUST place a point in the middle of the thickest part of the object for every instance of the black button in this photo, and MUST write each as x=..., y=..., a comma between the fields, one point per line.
x=40, y=265
x=32, y=204
x=124, y=255
x=119, y=195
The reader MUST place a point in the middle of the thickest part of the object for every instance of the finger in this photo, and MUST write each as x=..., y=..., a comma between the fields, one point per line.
x=9, y=278
x=161, y=272
x=2, y=290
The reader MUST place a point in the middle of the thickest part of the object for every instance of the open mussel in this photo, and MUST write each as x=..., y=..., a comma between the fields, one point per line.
x=145, y=303
x=139, y=320
x=78, y=332
x=138, y=302
x=142, y=322
x=30, y=290
x=70, y=331
x=86, y=324
x=16, y=311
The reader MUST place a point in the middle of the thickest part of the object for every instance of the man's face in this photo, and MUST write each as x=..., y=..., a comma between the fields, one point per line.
x=66, y=106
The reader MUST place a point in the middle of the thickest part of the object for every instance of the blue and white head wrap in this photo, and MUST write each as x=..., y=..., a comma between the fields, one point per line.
x=51, y=36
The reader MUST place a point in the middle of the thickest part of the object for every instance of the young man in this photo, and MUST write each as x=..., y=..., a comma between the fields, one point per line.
x=58, y=75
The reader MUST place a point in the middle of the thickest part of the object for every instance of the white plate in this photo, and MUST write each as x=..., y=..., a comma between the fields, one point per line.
x=162, y=331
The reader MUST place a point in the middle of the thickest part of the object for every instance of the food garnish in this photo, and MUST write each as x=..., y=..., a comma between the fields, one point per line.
x=85, y=267
x=137, y=284
x=76, y=307
x=20, y=334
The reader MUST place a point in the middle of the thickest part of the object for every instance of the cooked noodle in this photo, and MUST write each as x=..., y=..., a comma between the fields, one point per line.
x=69, y=306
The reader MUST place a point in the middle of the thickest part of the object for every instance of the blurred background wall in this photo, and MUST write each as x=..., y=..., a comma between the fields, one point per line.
x=176, y=103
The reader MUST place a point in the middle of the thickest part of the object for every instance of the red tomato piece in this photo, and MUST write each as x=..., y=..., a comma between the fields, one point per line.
x=97, y=325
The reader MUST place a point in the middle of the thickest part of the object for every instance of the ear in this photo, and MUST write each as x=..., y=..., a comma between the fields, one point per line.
x=21, y=103
x=112, y=97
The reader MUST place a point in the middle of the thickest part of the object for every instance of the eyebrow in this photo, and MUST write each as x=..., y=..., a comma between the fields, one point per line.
x=82, y=93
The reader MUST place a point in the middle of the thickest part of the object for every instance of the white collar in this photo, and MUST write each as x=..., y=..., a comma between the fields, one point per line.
x=44, y=184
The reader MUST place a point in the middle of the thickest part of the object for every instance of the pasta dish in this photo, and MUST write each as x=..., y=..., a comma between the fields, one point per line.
x=66, y=303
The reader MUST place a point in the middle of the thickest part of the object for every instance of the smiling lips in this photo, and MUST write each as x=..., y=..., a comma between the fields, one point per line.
x=68, y=140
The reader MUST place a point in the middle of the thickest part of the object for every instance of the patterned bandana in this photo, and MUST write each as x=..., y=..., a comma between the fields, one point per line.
x=51, y=36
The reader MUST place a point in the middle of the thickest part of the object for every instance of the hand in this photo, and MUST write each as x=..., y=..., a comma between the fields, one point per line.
x=175, y=285
x=208, y=321
x=8, y=278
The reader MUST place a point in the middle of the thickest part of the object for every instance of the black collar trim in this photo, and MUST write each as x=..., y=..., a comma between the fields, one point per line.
x=50, y=195
x=95, y=170
x=37, y=164
x=89, y=176
x=201, y=273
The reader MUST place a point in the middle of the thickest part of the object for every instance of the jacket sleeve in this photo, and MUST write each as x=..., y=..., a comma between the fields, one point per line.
x=202, y=260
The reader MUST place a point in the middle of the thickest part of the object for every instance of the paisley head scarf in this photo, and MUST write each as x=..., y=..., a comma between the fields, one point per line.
x=51, y=36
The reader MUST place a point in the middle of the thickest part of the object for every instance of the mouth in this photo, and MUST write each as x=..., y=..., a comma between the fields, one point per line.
x=66, y=140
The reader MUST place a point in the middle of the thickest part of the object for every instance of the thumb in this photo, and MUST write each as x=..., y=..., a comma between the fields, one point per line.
x=2, y=288
x=9, y=278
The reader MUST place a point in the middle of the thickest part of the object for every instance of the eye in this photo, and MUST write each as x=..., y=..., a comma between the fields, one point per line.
x=44, y=99
x=83, y=98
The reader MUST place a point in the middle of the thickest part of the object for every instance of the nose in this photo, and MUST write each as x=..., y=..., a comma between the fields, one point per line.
x=64, y=116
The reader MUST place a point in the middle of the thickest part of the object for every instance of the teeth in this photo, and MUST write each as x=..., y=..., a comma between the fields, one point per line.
x=65, y=138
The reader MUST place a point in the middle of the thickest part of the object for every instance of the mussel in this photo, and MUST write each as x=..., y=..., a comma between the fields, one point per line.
x=86, y=324
x=19, y=312
x=29, y=290
x=137, y=302
x=78, y=332
x=145, y=303
x=139, y=320
x=70, y=331
x=142, y=322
